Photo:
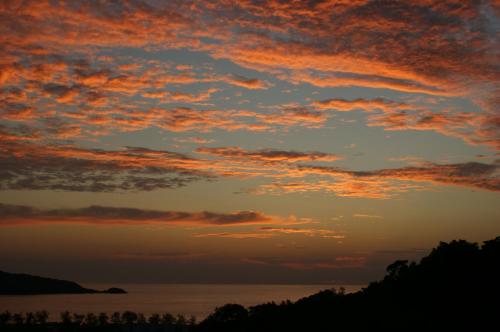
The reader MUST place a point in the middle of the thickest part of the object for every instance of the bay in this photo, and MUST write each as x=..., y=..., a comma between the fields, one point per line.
x=198, y=300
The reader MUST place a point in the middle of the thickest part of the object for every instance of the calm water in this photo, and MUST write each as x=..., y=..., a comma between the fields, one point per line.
x=197, y=300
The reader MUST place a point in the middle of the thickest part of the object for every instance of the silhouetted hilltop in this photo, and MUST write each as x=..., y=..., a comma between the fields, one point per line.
x=456, y=287
x=25, y=284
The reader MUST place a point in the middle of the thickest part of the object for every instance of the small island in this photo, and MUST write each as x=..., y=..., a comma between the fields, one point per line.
x=25, y=284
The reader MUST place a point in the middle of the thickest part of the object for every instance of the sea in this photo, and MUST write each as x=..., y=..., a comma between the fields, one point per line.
x=197, y=300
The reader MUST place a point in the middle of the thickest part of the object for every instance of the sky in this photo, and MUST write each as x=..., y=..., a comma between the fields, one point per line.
x=245, y=141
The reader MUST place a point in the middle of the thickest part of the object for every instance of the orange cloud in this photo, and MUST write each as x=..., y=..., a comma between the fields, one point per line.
x=368, y=105
x=386, y=183
x=34, y=166
x=312, y=232
x=353, y=42
x=39, y=58
x=472, y=174
x=235, y=235
x=363, y=38
x=471, y=127
x=101, y=215
x=27, y=164
x=334, y=79
x=196, y=140
x=186, y=119
x=249, y=83
x=372, y=188
x=268, y=155
x=271, y=231
x=360, y=44
x=57, y=24
x=192, y=98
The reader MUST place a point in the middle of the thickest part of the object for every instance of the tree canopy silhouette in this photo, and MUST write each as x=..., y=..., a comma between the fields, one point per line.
x=455, y=287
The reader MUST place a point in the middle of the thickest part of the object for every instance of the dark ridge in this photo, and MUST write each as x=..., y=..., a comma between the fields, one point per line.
x=25, y=284
x=455, y=288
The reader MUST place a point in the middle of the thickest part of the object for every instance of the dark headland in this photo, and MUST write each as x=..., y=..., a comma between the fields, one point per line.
x=25, y=284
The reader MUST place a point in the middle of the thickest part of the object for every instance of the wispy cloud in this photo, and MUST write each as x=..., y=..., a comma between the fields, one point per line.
x=369, y=105
x=161, y=256
x=312, y=232
x=249, y=83
x=235, y=235
x=268, y=155
x=105, y=215
x=385, y=183
x=57, y=83
x=336, y=263
x=367, y=216
x=471, y=127
x=34, y=166
x=28, y=164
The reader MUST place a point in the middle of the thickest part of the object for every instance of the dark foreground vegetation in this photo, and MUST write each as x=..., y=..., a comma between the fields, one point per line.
x=25, y=284
x=455, y=288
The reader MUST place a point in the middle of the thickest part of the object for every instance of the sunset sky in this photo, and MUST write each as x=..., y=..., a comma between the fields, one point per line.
x=245, y=141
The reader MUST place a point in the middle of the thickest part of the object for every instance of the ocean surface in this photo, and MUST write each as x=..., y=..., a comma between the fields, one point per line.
x=187, y=299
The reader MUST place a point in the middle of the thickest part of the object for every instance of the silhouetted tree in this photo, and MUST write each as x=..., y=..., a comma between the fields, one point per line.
x=167, y=319
x=5, y=317
x=30, y=319
x=103, y=319
x=78, y=319
x=230, y=317
x=116, y=318
x=41, y=317
x=229, y=313
x=397, y=269
x=18, y=318
x=491, y=252
x=129, y=317
x=181, y=320
x=492, y=247
x=154, y=319
x=141, y=319
x=91, y=320
x=66, y=318
x=455, y=288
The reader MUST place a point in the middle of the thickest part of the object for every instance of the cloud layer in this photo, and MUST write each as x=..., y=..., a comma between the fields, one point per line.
x=103, y=215
x=82, y=71
x=29, y=165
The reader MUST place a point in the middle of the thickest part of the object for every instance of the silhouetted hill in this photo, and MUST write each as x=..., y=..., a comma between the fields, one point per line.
x=25, y=284
x=456, y=287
